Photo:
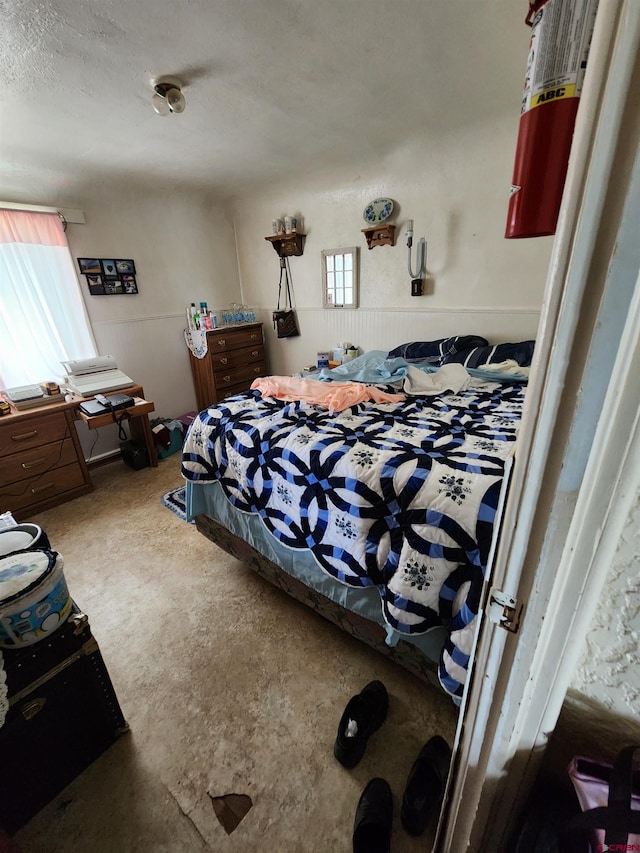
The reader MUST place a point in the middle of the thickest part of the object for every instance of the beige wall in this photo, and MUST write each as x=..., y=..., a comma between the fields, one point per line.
x=455, y=188
x=183, y=246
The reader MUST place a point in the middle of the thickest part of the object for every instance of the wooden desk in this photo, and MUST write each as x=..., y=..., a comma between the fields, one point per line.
x=136, y=416
x=41, y=460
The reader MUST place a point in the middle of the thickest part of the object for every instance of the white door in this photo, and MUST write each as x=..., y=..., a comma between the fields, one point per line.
x=578, y=461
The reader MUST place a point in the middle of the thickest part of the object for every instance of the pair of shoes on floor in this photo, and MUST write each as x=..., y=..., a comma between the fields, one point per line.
x=425, y=785
x=422, y=798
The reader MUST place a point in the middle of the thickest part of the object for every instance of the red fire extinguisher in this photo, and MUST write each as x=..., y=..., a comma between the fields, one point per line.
x=561, y=33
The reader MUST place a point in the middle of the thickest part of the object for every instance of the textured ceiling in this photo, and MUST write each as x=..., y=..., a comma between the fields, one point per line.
x=274, y=88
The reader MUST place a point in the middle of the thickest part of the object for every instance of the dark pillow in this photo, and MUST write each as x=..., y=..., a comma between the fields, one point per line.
x=437, y=352
x=521, y=352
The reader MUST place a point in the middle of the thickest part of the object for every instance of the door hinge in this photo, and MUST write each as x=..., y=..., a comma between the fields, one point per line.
x=504, y=610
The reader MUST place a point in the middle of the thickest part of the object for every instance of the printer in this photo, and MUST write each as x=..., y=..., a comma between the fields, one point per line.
x=90, y=376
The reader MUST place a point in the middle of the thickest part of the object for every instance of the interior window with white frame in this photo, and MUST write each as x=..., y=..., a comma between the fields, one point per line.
x=340, y=278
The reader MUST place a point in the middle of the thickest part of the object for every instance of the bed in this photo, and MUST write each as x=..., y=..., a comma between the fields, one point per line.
x=372, y=493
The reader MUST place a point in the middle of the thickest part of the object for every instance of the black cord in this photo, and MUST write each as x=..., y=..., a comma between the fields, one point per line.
x=92, y=448
x=124, y=416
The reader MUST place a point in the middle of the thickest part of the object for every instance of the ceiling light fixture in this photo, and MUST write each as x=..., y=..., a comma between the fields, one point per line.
x=168, y=97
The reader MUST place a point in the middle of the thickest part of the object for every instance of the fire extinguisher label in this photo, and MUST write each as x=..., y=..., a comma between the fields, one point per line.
x=560, y=37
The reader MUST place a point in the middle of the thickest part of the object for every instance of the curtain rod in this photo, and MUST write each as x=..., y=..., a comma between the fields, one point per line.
x=76, y=217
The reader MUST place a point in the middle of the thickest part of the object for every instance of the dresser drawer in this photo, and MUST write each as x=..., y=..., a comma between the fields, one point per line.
x=29, y=463
x=235, y=357
x=16, y=436
x=231, y=339
x=239, y=376
x=41, y=488
x=234, y=389
x=222, y=362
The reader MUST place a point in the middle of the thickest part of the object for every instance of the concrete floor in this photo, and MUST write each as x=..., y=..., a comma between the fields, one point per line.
x=228, y=685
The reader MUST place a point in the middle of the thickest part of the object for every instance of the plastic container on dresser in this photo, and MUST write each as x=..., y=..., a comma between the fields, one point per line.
x=235, y=357
x=41, y=460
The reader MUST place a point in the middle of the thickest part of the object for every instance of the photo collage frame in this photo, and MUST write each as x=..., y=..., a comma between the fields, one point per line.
x=109, y=276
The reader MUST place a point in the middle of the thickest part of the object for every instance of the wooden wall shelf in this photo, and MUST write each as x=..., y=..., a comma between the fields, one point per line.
x=380, y=235
x=287, y=245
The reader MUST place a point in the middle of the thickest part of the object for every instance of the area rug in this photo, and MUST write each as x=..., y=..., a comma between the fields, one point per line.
x=175, y=501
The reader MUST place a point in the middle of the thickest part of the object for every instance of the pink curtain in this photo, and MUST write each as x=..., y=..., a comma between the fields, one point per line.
x=21, y=226
x=43, y=320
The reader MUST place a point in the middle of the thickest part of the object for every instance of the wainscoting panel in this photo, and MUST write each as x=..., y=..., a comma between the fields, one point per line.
x=322, y=329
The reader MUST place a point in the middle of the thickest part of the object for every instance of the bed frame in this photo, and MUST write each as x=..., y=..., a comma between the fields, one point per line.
x=374, y=635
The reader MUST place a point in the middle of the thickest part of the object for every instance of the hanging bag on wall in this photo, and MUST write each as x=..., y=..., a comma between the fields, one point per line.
x=609, y=795
x=284, y=320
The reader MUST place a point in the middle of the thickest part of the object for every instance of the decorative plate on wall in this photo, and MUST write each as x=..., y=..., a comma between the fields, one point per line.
x=379, y=210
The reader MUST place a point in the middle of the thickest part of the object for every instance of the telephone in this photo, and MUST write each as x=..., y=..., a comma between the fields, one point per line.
x=101, y=405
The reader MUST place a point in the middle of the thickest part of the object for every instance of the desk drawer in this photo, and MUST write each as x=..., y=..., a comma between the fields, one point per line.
x=223, y=362
x=43, y=487
x=21, y=435
x=30, y=463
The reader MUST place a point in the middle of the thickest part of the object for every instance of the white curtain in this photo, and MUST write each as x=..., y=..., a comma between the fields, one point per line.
x=43, y=320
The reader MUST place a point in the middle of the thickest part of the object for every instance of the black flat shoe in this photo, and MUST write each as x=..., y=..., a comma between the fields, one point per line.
x=374, y=817
x=425, y=785
x=363, y=715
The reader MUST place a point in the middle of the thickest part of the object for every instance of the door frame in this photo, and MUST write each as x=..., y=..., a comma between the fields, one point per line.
x=570, y=476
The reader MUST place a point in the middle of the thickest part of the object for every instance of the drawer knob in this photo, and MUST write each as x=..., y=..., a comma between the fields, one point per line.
x=30, y=709
x=43, y=488
x=256, y=370
x=254, y=337
x=27, y=465
x=254, y=352
x=222, y=342
x=224, y=360
x=25, y=435
x=226, y=379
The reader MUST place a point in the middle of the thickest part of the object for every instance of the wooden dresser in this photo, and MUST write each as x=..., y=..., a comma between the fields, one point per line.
x=41, y=460
x=235, y=357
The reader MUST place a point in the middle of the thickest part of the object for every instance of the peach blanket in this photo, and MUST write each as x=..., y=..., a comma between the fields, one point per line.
x=334, y=396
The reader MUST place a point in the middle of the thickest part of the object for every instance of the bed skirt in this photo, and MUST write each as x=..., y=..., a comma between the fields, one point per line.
x=374, y=635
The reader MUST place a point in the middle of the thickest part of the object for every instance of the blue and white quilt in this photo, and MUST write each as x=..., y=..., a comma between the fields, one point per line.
x=400, y=496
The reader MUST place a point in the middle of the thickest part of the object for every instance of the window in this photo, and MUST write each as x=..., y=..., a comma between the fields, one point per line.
x=43, y=320
x=340, y=278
